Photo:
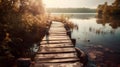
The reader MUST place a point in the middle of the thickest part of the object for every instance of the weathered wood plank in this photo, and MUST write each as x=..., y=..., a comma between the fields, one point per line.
x=54, y=38
x=56, y=45
x=57, y=28
x=67, y=60
x=58, y=34
x=71, y=64
x=58, y=37
x=54, y=56
x=55, y=41
x=55, y=50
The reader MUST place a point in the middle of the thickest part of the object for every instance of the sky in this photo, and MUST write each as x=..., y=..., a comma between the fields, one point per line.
x=74, y=3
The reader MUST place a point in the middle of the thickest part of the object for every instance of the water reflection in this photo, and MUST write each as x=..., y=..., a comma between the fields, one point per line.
x=113, y=22
x=99, y=38
x=101, y=31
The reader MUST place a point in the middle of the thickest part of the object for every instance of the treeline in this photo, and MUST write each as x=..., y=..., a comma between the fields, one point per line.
x=71, y=10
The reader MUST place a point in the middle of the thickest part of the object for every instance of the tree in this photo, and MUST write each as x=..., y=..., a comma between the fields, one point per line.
x=22, y=23
x=116, y=3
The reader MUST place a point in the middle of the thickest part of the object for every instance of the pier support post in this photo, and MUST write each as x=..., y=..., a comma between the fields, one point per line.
x=69, y=33
x=82, y=56
x=74, y=41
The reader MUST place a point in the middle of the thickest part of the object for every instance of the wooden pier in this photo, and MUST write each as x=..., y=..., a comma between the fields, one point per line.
x=57, y=49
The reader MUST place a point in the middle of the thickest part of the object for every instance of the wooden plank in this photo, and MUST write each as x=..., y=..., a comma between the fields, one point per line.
x=56, y=45
x=58, y=34
x=71, y=64
x=54, y=38
x=57, y=31
x=55, y=50
x=55, y=41
x=59, y=37
x=54, y=56
x=51, y=38
x=57, y=27
x=53, y=32
x=65, y=60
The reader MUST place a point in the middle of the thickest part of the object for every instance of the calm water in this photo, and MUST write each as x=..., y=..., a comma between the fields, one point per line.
x=99, y=38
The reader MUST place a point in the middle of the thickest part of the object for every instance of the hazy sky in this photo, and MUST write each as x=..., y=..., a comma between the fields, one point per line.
x=75, y=3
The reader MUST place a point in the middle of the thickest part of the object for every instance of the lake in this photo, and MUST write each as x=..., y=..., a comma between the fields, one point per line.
x=98, y=38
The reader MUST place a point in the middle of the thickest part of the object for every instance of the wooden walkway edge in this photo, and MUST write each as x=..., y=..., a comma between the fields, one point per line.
x=56, y=49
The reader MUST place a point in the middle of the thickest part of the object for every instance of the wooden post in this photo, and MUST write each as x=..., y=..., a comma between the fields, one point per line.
x=23, y=62
x=74, y=41
x=82, y=56
x=69, y=33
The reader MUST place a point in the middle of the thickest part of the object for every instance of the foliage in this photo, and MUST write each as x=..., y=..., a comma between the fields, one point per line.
x=115, y=11
x=20, y=26
x=109, y=10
